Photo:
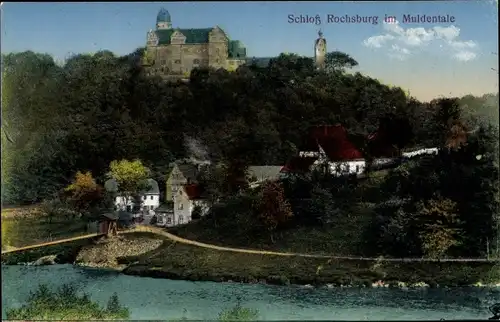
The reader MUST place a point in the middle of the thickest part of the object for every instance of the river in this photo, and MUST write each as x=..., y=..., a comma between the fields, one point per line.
x=155, y=299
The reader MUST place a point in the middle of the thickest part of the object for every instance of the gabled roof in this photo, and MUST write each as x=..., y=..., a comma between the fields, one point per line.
x=189, y=171
x=264, y=172
x=152, y=186
x=109, y=215
x=334, y=141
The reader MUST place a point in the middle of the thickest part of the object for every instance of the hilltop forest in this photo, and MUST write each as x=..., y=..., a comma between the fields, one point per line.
x=57, y=120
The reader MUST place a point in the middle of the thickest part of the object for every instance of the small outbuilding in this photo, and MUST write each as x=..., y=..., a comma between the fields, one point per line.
x=108, y=224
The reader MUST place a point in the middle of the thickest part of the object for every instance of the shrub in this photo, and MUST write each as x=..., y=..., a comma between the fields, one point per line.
x=66, y=304
x=239, y=313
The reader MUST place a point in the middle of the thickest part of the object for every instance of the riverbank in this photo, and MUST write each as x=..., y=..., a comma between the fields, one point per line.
x=151, y=255
x=169, y=300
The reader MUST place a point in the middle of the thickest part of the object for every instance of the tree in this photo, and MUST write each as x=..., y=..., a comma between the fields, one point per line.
x=130, y=177
x=439, y=226
x=339, y=61
x=85, y=194
x=274, y=209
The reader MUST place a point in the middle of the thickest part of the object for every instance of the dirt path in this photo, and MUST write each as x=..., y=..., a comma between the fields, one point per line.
x=181, y=240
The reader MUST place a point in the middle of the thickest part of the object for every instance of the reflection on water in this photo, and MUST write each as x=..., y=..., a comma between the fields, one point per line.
x=163, y=299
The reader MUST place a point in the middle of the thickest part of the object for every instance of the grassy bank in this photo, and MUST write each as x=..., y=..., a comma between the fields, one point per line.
x=186, y=262
x=327, y=239
x=29, y=226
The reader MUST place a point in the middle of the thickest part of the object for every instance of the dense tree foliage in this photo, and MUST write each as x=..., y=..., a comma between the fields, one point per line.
x=57, y=120
x=85, y=195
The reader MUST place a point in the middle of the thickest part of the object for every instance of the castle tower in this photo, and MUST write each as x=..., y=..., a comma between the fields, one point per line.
x=163, y=20
x=320, y=51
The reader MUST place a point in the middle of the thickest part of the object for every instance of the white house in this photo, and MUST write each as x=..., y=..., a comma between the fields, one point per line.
x=189, y=204
x=150, y=198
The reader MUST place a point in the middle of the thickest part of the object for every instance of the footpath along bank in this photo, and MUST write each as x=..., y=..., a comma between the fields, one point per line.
x=153, y=252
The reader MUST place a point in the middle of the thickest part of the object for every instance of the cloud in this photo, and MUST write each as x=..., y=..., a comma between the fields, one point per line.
x=399, y=40
x=377, y=41
x=399, y=52
x=464, y=56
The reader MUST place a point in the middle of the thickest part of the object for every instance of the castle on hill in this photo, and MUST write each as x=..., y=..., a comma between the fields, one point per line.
x=177, y=51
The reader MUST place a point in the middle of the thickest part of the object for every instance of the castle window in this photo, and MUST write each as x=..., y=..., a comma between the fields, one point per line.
x=178, y=61
x=196, y=61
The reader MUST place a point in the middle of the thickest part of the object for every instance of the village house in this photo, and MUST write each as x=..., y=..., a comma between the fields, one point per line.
x=150, y=197
x=331, y=146
x=182, y=173
x=189, y=203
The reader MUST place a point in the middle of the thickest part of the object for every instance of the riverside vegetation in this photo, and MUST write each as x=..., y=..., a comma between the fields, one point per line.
x=63, y=126
x=66, y=304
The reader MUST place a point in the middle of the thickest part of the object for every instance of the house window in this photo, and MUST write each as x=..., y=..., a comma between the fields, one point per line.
x=169, y=220
x=196, y=61
x=129, y=208
x=357, y=169
x=181, y=219
x=178, y=61
x=181, y=206
x=152, y=207
x=143, y=197
x=151, y=198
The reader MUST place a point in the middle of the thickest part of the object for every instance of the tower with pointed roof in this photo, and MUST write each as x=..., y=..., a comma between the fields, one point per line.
x=163, y=20
x=320, y=51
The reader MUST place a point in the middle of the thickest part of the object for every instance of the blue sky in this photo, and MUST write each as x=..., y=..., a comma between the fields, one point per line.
x=429, y=59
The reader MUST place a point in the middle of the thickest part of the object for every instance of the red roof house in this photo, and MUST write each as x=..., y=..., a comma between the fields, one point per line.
x=337, y=146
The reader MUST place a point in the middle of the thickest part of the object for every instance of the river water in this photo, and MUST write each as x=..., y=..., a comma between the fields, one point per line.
x=149, y=298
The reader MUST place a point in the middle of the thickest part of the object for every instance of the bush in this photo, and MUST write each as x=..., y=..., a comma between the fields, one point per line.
x=56, y=208
x=239, y=313
x=65, y=304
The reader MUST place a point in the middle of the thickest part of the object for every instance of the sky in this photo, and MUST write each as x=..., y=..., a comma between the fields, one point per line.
x=452, y=57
